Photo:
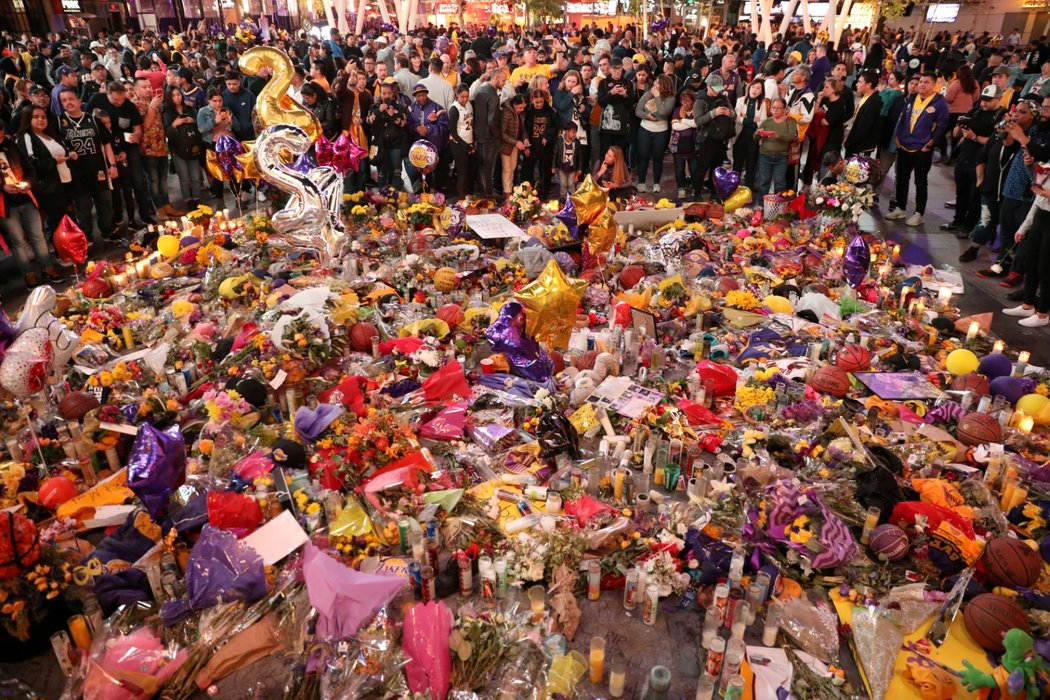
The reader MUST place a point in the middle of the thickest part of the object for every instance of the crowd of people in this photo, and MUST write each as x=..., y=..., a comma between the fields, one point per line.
x=94, y=127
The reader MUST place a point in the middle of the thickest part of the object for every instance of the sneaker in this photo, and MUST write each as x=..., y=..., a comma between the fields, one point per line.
x=1019, y=311
x=953, y=226
x=916, y=219
x=681, y=193
x=895, y=213
x=993, y=272
x=970, y=254
x=656, y=188
x=1014, y=279
x=1016, y=295
x=1036, y=321
x=949, y=205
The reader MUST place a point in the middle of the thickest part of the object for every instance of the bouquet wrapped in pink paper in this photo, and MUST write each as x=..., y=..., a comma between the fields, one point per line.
x=425, y=641
x=130, y=667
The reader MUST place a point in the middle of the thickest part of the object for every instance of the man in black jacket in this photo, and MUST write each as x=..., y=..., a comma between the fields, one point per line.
x=616, y=96
x=864, y=135
x=318, y=101
x=486, y=128
x=388, y=121
x=974, y=130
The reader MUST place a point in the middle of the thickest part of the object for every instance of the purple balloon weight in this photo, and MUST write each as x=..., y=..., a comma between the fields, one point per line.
x=856, y=261
x=567, y=215
x=726, y=182
x=156, y=467
x=995, y=365
x=507, y=335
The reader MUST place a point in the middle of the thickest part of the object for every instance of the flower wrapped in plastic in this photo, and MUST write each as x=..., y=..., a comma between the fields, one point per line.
x=130, y=667
x=800, y=519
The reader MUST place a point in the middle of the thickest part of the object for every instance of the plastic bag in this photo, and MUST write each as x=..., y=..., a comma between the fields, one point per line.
x=156, y=466
x=813, y=624
x=130, y=667
x=219, y=567
x=425, y=642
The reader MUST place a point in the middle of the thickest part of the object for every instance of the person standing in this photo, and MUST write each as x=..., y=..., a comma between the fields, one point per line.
x=427, y=120
x=93, y=168
x=654, y=131
x=683, y=143
x=180, y=127
x=751, y=110
x=487, y=129
x=865, y=131
x=512, y=140
x=921, y=124
x=541, y=128
x=154, y=147
x=240, y=103
x=127, y=126
x=716, y=125
x=971, y=132
x=351, y=91
x=616, y=97
x=388, y=122
x=461, y=140
x=775, y=135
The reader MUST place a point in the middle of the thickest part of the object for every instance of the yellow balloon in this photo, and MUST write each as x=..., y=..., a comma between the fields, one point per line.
x=168, y=245
x=741, y=197
x=550, y=302
x=247, y=161
x=233, y=287
x=274, y=105
x=1044, y=416
x=589, y=201
x=961, y=361
x=778, y=304
x=211, y=161
x=1032, y=404
x=601, y=235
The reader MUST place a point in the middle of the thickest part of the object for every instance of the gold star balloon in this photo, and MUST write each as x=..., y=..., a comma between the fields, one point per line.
x=247, y=161
x=601, y=235
x=550, y=303
x=589, y=201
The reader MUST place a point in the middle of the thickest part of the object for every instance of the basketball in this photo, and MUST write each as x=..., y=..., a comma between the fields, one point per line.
x=889, y=542
x=96, y=288
x=585, y=360
x=361, y=336
x=19, y=544
x=75, y=405
x=989, y=616
x=1010, y=562
x=978, y=428
x=853, y=358
x=451, y=314
x=630, y=276
x=832, y=380
x=445, y=279
x=971, y=382
x=727, y=284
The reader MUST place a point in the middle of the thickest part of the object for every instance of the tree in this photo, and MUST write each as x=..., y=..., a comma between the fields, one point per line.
x=544, y=9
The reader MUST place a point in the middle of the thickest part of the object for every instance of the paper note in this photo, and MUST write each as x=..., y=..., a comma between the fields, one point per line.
x=278, y=538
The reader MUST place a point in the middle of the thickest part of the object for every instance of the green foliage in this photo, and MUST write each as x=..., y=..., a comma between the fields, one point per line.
x=541, y=9
x=892, y=9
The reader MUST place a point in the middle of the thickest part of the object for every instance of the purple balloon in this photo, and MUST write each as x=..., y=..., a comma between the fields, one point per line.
x=304, y=164
x=726, y=182
x=995, y=365
x=227, y=149
x=567, y=215
x=156, y=467
x=507, y=335
x=7, y=332
x=457, y=217
x=856, y=261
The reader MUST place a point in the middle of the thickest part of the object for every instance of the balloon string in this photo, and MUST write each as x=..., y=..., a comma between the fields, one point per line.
x=36, y=439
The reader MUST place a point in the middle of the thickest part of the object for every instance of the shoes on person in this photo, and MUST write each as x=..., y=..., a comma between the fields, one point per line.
x=916, y=219
x=1036, y=321
x=260, y=196
x=1019, y=311
x=962, y=234
x=1014, y=279
x=656, y=188
x=993, y=272
x=53, y=274
x=953, y=226
x=1016, y=295
x=970, y=254
x=137, y=225
x=949, y=205
x=32, y=279
x=681, y=193
x=895, y=213
x=150, y=220
x=192, y=204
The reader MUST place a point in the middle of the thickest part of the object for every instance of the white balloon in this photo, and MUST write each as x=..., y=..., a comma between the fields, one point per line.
x=36, y=313
x=24, y=369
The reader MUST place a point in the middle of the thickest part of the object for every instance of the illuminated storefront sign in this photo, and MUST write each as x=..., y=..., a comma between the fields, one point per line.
x=71, y=6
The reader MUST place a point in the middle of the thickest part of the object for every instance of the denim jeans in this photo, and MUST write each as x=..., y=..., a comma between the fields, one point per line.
x=23, y=228
x=189, y=173
x=651, y=148
x=390, y=168
x=682, y=178
x=771, y=169
x=357, y=180
x=97, y=195
x=984, y=232
x=156, y=168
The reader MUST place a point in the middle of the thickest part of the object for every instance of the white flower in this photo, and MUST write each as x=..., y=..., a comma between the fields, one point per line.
x=820, y=200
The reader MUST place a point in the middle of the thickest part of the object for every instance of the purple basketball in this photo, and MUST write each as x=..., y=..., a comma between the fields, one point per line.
x=995, y=365
x=888, y=542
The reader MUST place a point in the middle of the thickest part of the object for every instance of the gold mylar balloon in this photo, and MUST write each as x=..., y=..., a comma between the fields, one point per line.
x=274, y=105
x=550, y=303
x=741, y=197
x=601, y=235
x=211, y=161
x=247, y=161
x=589, y=200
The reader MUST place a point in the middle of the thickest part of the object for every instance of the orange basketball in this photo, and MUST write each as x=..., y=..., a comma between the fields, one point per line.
x=451, y=314
x=75, y=405
x=630, y=276
x=832, y=380
x=978, y=428
x=853, y=358
x=989, y=616
x=1010, y=562
x=361, y=336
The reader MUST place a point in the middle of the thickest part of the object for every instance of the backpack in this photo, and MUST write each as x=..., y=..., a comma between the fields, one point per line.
x=720, y=129
x=186, y=141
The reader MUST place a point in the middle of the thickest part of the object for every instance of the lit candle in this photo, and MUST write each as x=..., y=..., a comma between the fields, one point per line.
x=1022, y=363
x=884, y=270
x=597, y=659
x=896, y=251
x=129, y=340
x=999, y=346
x=871, y=520
x=78, y=629
x=944, y=295
x=972, y=331
x=618, y=478
x=905, y=291
x=658, y=475
x=1026, y=424
x=920, y=309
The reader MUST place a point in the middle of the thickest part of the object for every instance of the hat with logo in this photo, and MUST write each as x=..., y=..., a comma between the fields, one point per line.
x=990, y=93
x=715, y=82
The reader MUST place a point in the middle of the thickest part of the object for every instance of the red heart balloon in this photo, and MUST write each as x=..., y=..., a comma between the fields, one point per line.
x=70, y=242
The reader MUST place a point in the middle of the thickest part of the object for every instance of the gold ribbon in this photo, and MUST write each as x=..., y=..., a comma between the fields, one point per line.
x=82, y=575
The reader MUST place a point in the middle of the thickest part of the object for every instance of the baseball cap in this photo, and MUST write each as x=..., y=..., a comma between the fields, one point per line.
x=420, y=87
x=98, y=64
x=715, y=82
x=990, y=93
x=65, y=70
x=638, y=58
x=1001, y=70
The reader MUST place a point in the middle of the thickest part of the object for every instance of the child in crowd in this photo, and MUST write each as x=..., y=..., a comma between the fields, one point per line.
x=568, y=159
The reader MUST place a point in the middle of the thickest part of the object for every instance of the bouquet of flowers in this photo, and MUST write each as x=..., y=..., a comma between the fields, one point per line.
x=24, y=599
x=800, y=519
x=523, y=204
x=201, y=216
x=842, y=199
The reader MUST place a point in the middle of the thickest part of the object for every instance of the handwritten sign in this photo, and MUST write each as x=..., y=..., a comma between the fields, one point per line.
x=493, y=226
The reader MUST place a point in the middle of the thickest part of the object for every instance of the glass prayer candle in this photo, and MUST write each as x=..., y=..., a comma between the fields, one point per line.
x=871, y=520
x=973, y=330
x=1026, y=424
x=596, y=660
x=617, y=676
x=80, y=632
x=944, y=296
x=1022, y=363
x=538, y=602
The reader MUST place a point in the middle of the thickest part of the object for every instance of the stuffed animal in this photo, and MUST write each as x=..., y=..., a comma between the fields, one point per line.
x=1021, y=674
x=933, y=683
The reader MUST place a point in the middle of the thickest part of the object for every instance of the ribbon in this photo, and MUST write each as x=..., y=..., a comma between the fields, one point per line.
x=82, y=575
